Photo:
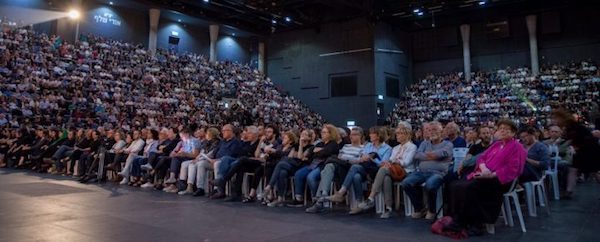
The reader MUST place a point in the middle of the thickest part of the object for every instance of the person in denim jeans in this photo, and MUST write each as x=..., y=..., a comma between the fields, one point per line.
x=433, y=157
x=287, y=166
x=311, y=174
x=372, y=155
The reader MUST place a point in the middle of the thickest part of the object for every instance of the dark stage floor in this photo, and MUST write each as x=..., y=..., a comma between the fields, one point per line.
x=37, y=207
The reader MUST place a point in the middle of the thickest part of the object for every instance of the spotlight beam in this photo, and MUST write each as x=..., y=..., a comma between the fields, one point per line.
x=27, y=16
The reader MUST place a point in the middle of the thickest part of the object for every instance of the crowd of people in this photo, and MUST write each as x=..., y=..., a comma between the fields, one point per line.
x=101, y=109
x=203, y=160
x=504, y=93
x=95, y=81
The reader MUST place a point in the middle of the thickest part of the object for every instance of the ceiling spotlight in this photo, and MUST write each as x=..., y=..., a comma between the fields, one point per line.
x=111, y=3
x=420, y=13
x=233, y=34
x=274, y=21
x=416, y=10
x=481, y=2
x=288, y=19
x=179, y=20
x=74, y=14
x=206, y=1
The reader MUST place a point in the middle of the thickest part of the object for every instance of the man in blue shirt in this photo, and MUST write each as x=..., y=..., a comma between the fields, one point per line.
x=246, y=148
x=451, y=132
x=538, y=155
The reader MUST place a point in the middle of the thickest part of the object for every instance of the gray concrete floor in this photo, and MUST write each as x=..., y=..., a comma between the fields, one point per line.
x=35, y=207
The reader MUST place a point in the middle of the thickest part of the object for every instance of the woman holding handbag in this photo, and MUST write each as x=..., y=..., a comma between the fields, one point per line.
x=394, y=170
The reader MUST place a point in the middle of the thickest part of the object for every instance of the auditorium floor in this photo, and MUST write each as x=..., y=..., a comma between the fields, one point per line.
x=36, y=207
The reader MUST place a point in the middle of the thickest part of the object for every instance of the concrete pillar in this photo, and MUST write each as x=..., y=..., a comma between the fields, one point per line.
x=153, y=34
x=533, y=48
x=465, y=32
x=214, y=35
x=261, y=57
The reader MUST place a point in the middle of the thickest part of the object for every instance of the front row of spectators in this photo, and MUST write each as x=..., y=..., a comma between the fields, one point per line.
x=206, y=161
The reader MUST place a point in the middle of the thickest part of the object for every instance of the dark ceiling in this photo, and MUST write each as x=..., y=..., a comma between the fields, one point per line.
x=264, y=17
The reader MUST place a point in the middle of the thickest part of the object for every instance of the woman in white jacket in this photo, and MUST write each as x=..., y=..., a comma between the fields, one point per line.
x=132, y=151
x=401, y=154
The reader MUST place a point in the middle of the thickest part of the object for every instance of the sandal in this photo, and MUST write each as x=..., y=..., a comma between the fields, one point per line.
x=249, y=199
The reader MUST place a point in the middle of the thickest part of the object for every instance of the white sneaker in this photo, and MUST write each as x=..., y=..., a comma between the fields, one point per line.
x=148, y=185
x=124, y=181
x=386, y=214
x=430, y=216
x=275, y=203
x=418, y=214
x=146, y=167
x=171, y=180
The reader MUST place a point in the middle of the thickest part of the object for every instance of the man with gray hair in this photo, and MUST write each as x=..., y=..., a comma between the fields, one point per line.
x=433, y=158
x=405, y=125
x=451, y=132
x=250, y=140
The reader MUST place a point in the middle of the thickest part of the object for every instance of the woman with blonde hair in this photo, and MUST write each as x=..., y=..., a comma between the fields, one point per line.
x=392, y=170
x=371, y=158
x=288, y=166
x=311, y=172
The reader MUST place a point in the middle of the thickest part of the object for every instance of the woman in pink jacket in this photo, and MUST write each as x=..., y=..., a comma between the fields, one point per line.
x=477, y=200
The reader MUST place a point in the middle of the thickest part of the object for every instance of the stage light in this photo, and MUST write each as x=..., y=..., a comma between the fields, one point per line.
x=74, y=14
x=416, y=10
x=111, y=3
x=481, y=2
x=233, y=34
x=420, y=13
x=274, y=21
x=179, y=20
x=206, y=1
x=288, y=19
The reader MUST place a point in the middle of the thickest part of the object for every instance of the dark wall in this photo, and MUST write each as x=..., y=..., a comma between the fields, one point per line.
x=578, y=39
x=123, y=24
x=389, y=63
x=196, y=39
x=563, y=35
x=235, y=49
x=192, y=38
x=293, y=62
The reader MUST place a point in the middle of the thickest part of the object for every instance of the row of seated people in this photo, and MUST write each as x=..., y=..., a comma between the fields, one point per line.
x=180, y=161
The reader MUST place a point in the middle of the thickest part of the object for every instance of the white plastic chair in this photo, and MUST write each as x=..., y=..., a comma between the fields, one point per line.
x=246, y=184
x=552, y=171
x=409, y=209
x=459, y=155
x=379, y=203
x=507, y=209
x=536, y=190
